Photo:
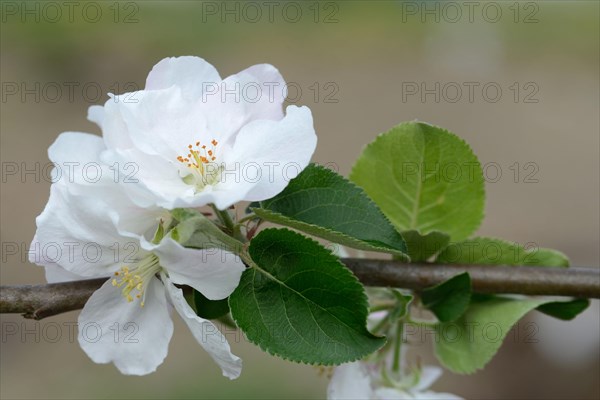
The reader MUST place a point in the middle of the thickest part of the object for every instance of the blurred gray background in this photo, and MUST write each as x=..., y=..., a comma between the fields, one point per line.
x=356, y=65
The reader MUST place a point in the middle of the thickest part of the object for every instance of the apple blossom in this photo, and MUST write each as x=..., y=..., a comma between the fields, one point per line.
x=96, y=231
x=363, y=380
x=198, y=139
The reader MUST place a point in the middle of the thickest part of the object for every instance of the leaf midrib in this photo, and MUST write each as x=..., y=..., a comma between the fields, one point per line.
x=272, y=277
x=323, y=231
x=415, y=213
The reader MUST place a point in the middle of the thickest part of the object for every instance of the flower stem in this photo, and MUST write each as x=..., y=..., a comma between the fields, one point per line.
x=398, y=346
x=381, y=307
x=247, y=218
x=225, y=218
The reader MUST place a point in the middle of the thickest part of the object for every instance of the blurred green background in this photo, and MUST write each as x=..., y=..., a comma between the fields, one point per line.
x=352, y=61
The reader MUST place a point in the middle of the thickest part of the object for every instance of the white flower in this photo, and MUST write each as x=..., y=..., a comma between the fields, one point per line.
x=192, y=138
x=363, y=380
x=96, y=231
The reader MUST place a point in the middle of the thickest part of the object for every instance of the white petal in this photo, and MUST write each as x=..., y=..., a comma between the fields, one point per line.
x=114, y=130
x=76, y=159
x=281, y=149
x=386, y=393
x=350, y=381
x=75, y=147
x=375, y=318
x=191, y=74
x=55, y=274
x=160, y=122
x=206, y=333
x=102, y=187
x=436, y=396
x=270, y=87
x=255, y=93
x=429, y=374
x=77, y=233
x=231, y=188
x=156, y=180
x=213, y=272
x=96, y=115
x=134, y=338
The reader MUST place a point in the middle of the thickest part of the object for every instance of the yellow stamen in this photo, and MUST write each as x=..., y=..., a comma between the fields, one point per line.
x=197, y=158
x=134, y=282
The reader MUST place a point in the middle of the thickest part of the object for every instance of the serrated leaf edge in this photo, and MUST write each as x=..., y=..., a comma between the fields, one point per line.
x=364, y=302
x=296, y=224
x=445, y=131
x=370, y=201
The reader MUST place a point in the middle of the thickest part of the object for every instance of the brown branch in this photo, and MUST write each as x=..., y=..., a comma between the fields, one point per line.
x=573, y=282
x=41, y=301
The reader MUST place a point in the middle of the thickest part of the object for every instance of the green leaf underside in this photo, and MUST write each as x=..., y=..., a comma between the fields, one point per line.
x=422, y=247
x=491, y=251
x=301, y=303
x=325, y=204
x=210, y=309
x=469, y=343
x=450, y=299
x=423, y=178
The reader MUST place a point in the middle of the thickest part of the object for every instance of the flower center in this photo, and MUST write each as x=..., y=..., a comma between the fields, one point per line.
x=200, y=164
x=134, y=281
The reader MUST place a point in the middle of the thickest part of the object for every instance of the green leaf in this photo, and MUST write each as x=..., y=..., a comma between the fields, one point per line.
x=450, y=299
x=325, y=204
x=423, y=178
x=197, y=231
x=300, y=303
x=210, y=309
x=422, y=247
x=566, y=310
x=490, y=251
x=468, y=344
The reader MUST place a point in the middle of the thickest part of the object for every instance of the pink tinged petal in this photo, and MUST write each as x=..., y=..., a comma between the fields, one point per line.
x=213, y=272
x=350, y=381
x=206, y=333
x=281, y=149
x=134, y=338
x=191, y=74
x=96, y=115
